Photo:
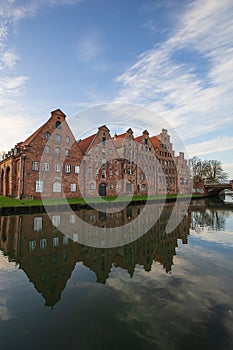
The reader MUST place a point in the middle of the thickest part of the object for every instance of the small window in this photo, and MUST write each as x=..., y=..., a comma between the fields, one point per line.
x=47, y=149
x=35, y=166
x=72, y=218
x=73, y=187
x=67, y=168
x=32, y=245
x=45, y=166
x=67, y=139
x=39, y=186
x=43, y=243
x=67, y=152
x=57, y=151
x=56, y=220
x=57, y=137
x=57, y=168
x=77, y=169
x=37, y=224
x=92, y=186
x=58, y=124
x=103, y=174
x=55, y=241
x=47, y=135
x=103, y=141
x=57, y=186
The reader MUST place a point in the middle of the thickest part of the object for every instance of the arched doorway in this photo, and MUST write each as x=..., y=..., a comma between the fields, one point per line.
x=102, y=189
x=7, y=193
x=2, y=183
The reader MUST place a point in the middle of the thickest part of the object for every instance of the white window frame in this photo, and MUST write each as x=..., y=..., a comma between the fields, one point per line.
x=56, y=220
x=39, y=186
x=92, y=186
x=45, y=166
x=76, y=169
x=57, y=168
x=67, y=168
x=73, y=187
x=37, y=225
x=35, y=165
x=57, y=187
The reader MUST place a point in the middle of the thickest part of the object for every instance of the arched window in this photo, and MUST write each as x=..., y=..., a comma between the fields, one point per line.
x=103, y=141
x=47, y=135
x=58, y=124
x=57, y=151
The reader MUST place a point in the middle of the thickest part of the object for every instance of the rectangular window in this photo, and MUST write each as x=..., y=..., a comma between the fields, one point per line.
x=67, y=168
x=39, y=186
x=73, y=187
x=67, y=152
x=72, y=218
x=36, y=166
x=55, y=241
x=57, y=168
x=77, y=169
x=32, y=245
x=92, y=186
x=65, y=240
x=38, y=224
x=45, y=166
x=56, y=220
x=43, y=243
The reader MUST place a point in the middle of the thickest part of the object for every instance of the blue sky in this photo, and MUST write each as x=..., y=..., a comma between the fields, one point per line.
x=174, y=57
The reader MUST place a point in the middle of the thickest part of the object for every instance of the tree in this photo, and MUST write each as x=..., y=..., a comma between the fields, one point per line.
x=207, y=170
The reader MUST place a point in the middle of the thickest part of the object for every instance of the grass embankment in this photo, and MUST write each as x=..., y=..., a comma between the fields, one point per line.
x=12, y=202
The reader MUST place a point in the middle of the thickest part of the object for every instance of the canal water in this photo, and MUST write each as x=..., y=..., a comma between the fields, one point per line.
x=163, y=290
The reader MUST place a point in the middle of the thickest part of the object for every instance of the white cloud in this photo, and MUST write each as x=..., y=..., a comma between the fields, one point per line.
x=194, y=97
x=89, y=48
x=212, y=146
x=9, y=59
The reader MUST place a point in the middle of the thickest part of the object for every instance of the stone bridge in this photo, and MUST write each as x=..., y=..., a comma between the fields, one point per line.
x=211, y=189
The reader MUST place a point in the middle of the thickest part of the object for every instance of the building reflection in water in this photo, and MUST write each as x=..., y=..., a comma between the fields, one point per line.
x=48, y=257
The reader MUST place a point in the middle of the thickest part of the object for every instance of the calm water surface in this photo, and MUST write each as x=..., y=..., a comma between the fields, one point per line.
x=162, y=291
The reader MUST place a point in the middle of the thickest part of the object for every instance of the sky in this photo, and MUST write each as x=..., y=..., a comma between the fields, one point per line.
x=172, y=57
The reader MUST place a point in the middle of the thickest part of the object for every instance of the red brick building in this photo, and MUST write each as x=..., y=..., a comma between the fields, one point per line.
x=51, y=164
x=101, y=169
x=183, y=174
x=167, y=173
x=46, y=164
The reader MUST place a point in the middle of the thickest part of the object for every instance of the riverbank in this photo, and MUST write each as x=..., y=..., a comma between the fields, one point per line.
x=10, y=206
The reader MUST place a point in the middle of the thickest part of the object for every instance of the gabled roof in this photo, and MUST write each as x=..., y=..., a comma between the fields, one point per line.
x=31, y=138
x=138, y=139
x=85, y=143
x=155, y=141
x=118, y=140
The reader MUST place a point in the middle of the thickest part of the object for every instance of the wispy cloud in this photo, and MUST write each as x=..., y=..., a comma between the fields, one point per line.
x=209, y=147
x=188, y=78
x=89, y=47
